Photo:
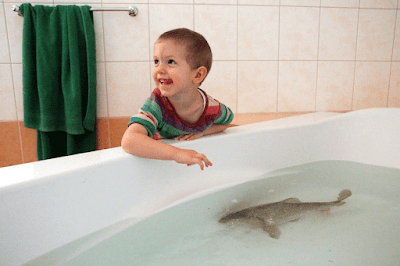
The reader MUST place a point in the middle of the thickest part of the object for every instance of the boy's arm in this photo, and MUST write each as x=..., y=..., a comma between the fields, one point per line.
x=213, y=129
x=136, y=141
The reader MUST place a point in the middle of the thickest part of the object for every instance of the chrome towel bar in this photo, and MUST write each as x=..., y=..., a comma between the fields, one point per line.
x=132, y=10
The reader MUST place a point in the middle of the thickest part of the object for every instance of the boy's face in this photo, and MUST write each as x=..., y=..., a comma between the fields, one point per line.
x=172, y=74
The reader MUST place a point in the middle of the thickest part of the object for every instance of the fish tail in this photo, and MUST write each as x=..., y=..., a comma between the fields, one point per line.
x=344, y=194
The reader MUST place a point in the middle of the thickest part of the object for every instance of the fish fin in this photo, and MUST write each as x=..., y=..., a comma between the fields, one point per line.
x=344, y=194
x=273, y=231
x=291, y=200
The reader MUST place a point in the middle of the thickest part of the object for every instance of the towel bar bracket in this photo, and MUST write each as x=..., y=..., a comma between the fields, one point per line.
x=132, y=10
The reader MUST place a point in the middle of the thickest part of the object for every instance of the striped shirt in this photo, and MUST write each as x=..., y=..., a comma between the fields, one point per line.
x=160, y=119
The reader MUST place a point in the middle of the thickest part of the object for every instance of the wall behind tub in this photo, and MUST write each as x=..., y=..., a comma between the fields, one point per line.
x=271, y=57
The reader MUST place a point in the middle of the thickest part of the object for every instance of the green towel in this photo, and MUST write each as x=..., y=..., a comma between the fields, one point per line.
x=59, y=78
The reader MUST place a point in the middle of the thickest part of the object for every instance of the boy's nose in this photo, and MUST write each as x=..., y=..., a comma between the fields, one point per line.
x=161, y=68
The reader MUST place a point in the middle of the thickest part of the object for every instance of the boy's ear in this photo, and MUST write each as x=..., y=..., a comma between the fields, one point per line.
x=201, y=74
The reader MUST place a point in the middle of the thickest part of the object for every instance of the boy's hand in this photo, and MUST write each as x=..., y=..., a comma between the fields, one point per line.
x=191, y=157
x=190, y=136
x=213, y=129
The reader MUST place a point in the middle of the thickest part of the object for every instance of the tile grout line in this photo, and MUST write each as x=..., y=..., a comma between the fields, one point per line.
x=237, y=57
x=316, y=78
x=278, y=61
x=105, y=80
x=150, y=59
x=355, y=58
x=391, y=62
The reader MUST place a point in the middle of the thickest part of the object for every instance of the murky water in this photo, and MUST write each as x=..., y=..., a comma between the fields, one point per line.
x=364, y=231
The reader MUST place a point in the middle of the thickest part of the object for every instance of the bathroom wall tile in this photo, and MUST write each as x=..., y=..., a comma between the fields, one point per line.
x=394, y=90
x=118, y=127
x=102, y=134
x=300, y=2
x=127, y=87
x=375, y=34
x=214, y=2
x=10, y=150
x=297, y=86
x=371, y=85
x=290, y=114
x=171, y=1
x=221, y=83
x=218, y=24
x=259, y=2
x=17, y=80
x=4, y=51
x=8, y=109
x=74, y=2
x=14, y=31
x=378, y=4
x=396, y=45
x=244, y=119
x=126, y=3
x=99, y=35
x=257, y=86
x=126, y=38
x=29, y=146
x=299, y=33
x=36, y=2
x=258, y=42
x=335, y=85
x=338, y=33
x=102, y=102
x=152, y=83
x=340, y=3
x=179, y=16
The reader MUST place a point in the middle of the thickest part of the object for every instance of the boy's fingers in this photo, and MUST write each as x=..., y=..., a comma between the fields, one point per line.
x=189, y=136
x=201, y=165
x=183, y=137
x=205, y=160
x=201, y=160
x=191, y=157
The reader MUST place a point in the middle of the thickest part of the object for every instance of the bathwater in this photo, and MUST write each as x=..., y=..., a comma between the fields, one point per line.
x=364, y=231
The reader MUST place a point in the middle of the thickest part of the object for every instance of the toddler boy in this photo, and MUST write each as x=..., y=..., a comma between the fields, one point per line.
x=177, y=108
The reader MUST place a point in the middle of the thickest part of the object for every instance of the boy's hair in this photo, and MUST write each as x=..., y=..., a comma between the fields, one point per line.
x=198, y=52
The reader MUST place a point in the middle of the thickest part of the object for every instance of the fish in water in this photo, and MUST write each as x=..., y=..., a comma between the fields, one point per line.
x=270, y=216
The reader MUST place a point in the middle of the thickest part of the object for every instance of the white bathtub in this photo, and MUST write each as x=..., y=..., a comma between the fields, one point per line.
x=45, y=205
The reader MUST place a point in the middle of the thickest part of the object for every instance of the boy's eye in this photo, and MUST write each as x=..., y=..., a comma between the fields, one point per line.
x=172, y=62
x=156, y=61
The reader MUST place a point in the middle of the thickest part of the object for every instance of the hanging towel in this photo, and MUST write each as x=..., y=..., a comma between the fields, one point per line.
x=59, y=78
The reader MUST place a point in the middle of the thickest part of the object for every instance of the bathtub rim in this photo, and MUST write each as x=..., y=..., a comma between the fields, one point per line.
x=22, y=174
x=31, y=171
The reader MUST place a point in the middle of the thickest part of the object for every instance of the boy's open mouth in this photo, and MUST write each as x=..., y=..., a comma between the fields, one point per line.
x=165, y=81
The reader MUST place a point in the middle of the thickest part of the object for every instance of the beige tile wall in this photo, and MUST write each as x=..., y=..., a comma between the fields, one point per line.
x=271, y=56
